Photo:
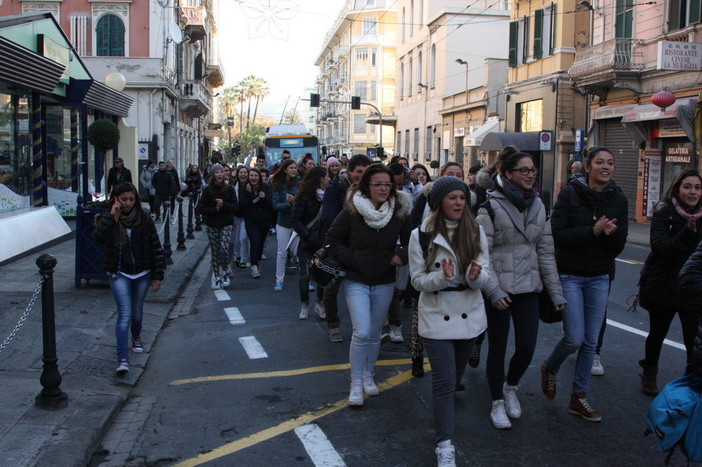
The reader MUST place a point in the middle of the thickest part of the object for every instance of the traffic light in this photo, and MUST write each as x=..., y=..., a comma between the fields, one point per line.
x=380, y=152
x=237, y=149
x=314, y=100
x=355, y=103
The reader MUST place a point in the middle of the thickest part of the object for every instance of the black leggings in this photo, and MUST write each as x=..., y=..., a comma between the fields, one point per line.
x=524, y=312
x=659, y=323
x=257, y=231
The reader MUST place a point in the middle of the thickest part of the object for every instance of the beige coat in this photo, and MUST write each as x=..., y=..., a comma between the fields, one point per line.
x=447, y=314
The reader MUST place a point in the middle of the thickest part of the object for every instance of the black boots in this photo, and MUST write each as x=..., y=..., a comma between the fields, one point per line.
x=649, y=385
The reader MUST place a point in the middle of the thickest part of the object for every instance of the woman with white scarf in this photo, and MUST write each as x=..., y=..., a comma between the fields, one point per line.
x=364, y=238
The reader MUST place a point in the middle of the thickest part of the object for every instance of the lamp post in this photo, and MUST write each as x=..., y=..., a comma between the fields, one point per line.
x=460, y=61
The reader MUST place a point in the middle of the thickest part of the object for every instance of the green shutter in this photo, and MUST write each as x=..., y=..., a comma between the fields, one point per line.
x=695, y=13
x=513, y=40
x=110, y=36
x=538, y=33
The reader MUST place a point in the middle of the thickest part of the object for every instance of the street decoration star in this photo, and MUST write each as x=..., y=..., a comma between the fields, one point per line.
x=269, y=17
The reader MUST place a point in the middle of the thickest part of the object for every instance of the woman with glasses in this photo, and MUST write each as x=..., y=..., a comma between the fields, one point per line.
x=522, y=263
x=284, y=184
x=364, y=238
x=589, y=222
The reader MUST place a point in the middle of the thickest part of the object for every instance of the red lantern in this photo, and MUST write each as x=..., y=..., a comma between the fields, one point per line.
x=663, y=99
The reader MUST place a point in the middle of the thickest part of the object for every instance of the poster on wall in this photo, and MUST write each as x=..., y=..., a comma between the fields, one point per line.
x=651, y=182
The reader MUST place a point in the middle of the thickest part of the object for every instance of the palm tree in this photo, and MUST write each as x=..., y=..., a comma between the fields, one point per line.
x=240, y=96
x=261, y=90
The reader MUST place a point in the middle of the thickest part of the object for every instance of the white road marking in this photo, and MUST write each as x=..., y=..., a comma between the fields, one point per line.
x=643, y=333
x=317, y=445
x=253, y=349
x=222, y=295
x=629, y=261
x=234, y=315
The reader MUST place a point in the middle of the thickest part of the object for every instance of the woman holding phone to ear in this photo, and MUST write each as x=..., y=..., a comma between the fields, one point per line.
x=133, y=261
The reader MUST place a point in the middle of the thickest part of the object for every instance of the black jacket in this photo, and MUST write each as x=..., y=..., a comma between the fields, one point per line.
x=255, y=208
x=115, y=176
x=690, y=284
x=142, y=252
x=366, y=251
x=163, y=184
x=208, y=207
x=194, y=182
x=333, y=201
x=578, y=251
x=304, y=210
x=672, y=243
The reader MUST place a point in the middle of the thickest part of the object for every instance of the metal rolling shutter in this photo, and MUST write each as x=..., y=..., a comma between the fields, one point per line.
x=626, y=159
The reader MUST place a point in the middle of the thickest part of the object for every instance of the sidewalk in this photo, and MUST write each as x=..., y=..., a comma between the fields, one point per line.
x=85, y=320
x=639, y=234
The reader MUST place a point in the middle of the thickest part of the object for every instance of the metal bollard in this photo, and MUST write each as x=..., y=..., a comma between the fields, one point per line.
x=167, y=252
x=51, y=397
x=181, y=234
x=198, y=219
x=191, y=210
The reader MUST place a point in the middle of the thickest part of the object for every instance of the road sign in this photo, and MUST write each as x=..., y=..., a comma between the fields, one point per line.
x=545, y=139
x=214, y=133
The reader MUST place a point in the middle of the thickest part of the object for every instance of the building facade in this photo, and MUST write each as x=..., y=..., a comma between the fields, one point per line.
x=358, y=59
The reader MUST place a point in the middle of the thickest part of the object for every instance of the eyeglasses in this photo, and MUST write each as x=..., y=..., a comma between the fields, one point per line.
x=526, y=170
x=386, y=185
x=286, y=158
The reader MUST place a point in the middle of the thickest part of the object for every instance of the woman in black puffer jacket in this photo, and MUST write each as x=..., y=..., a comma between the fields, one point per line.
x=133, y=261
x=305, y=216
x=676, y=229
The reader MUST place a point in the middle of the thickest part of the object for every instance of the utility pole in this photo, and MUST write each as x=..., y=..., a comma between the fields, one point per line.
x=283, y=114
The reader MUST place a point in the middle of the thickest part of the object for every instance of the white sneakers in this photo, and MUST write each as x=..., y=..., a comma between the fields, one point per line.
x=512, y=406
x=319, y=308
x=369, y=387
x=396, y=334
x=304, y=311
x=597, y=368
x=498, y=415
x=356, y=392
x=446, y=456
x=255, y=273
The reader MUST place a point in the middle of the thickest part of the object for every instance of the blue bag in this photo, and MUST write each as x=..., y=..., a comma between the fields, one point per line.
x=675, y=417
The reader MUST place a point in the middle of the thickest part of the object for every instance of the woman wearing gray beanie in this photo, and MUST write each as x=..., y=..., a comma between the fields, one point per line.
x=449, y=264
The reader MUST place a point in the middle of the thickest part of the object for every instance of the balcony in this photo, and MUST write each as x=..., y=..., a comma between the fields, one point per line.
x=343, y=52
x=613, y=63
x=215, y=74
x=195, y=99
x=193, y=19
x=342, y=83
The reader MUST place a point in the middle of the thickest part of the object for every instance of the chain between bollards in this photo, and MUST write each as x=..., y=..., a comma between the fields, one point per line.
x=181, y=234
x=51, y=397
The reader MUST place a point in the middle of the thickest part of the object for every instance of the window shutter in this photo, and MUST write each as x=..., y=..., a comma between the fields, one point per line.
x=513, y=39
x=538, y=33
x=695, y=13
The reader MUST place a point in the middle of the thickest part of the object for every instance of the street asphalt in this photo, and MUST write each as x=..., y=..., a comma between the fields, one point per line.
x=85, y=318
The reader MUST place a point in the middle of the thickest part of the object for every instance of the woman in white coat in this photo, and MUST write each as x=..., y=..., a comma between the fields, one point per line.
x=448, y=257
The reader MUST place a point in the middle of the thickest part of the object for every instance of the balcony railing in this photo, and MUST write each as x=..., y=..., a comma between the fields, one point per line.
x=609, y=56
x=194, y=18
x=195, y=99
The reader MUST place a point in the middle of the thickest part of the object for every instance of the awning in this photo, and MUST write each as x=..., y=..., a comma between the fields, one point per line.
x=683, y=110
x=528, y=141
x=647, y=112
x=28, y=69
x=475, y=138
x=100, y=96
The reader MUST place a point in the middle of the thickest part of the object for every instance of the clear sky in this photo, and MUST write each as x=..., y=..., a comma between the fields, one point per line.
x=277, y=40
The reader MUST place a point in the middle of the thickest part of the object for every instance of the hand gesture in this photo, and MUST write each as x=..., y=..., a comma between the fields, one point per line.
x=289, y=198
x=503, y=303
x=610, y=227
x=261, y=194
x=116, y=210
x=474, y=270
x=219, y=203
x=692, y=224
x=447, y=266
x=599, y=226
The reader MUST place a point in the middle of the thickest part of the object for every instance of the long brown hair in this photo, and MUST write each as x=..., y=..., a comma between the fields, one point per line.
x=280, y=180
x=261, y=184
x=310, y=182
x=465, y=242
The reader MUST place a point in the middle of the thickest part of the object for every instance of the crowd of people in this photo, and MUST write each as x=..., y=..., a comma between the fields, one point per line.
x=471, y=259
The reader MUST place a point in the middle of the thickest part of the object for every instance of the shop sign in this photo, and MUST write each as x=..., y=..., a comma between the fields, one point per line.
x=651, y=182
x=681, y=56
x=459, y=132
x=670, y=128
x=678, y=156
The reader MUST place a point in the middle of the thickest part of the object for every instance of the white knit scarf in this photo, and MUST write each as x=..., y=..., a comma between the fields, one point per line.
x=374, y=218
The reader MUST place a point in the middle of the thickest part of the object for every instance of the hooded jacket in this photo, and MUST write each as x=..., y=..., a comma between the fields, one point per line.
x=366, y=252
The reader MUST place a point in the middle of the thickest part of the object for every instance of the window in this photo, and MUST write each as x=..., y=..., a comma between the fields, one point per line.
x=530, y=116
x=411, y=19
x=362, y=57
x=398, y=143
x=374, y=57
x=79, y=34
x=409, y=77
x=359, y=124
x=524, y=37
x=427, y=144
x=404, y=21
x=420, y=23
x=359, y=88
x=518, y=41
x=538, y=33
x=432, y=75
x=373, y=92
x=402, y=80
x=420, y=66
x=681, y=14
x=549, y=30
x=109, y=33
x=416, y=144
x=407, y=142
x=370, y=26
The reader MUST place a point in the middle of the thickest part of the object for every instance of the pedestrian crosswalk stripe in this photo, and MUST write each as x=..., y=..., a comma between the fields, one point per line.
x=677, y=345
x=234, y=315
x=252, y=347
x=318, y=446
x=222, y=295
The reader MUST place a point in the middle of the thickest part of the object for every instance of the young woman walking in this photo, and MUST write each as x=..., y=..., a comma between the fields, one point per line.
x=305, y=216
x=133, y=260
x=522, y=264
x=448, y=257
x=218, y=206
x=257, y=210
x=364, y=238
x=589, y=232
x=676, y=230
x=240, y=242
x=284, y=184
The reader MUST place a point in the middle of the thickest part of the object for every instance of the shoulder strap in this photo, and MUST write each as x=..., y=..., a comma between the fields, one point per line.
x=489, y=209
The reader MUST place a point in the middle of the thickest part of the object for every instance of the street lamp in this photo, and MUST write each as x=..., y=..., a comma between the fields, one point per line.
x=460, y=61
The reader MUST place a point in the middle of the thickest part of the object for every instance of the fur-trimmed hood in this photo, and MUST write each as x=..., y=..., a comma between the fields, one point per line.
x=403, y=204
x=483, y=179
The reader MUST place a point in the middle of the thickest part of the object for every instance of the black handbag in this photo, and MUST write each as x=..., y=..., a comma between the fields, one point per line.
x=324, y=269
x=547, y=312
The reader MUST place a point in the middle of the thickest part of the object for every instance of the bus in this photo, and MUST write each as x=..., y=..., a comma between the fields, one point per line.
x=295, y=138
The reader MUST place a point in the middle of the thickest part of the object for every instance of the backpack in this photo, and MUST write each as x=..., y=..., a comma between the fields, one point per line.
x=675, y=417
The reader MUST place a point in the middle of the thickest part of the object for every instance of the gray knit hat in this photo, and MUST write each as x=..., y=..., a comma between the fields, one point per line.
x=443, y=186
x=215, y=168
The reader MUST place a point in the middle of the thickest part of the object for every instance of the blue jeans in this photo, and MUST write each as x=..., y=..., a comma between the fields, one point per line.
x=129, y=295
x=582, y=320
x=368, y=307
